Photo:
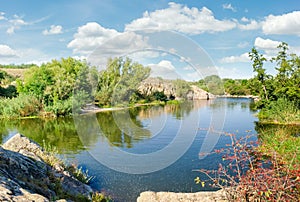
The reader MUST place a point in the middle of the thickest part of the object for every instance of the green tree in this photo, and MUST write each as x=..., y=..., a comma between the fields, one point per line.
x=55, y=82
x=119, y=82
x=261, y=75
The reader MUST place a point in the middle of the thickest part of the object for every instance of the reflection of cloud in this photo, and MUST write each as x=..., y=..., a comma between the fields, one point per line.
x=54, y=29
x=181, y=18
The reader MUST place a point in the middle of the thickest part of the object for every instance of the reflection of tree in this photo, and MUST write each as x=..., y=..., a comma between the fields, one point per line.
x=60, y=133
x=122, y=128
x=232, y=103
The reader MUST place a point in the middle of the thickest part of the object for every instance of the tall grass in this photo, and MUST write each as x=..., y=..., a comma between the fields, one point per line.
x=21, y=106
x=280, y=111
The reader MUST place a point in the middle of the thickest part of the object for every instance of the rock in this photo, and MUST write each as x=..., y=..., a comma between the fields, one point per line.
x=215, y=196
x=151, y=85
x=25, y=176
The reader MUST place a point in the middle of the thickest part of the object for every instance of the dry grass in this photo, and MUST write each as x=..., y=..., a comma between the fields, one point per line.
x=19, y=73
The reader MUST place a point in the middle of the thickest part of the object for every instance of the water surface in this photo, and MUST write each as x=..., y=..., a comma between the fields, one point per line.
x=96, y=141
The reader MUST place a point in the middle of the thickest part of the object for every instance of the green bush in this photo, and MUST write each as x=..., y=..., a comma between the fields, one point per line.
x=60, y=108
x=21, y=106
x=280, y=111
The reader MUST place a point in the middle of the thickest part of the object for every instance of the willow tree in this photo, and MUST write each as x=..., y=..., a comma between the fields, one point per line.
x=119, y=81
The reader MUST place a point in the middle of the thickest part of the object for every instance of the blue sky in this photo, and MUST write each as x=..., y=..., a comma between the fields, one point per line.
x=37, y=31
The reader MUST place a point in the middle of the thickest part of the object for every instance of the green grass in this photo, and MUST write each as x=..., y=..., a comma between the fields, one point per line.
x=281, y=111
x=282, y=140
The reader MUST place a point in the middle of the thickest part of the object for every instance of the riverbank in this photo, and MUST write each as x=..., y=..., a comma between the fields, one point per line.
x=205, y=196
x=28, y=173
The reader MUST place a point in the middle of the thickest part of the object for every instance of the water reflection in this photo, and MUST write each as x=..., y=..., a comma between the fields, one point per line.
x=60, y=133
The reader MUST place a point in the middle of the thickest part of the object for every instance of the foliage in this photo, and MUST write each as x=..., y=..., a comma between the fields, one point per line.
x=120, y=81
x=285, y=84
x=212, y=84
x=54, y=84
x=253, y=177
x=280, y=111
x=20, y=66
x=282, y=139
x=21, y=106
x=100, y=197
x=236, y=86
x=6, y=89
x=80, y=174
x=182, y=88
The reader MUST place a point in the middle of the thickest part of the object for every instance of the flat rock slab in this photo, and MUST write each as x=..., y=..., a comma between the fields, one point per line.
x=147, y=196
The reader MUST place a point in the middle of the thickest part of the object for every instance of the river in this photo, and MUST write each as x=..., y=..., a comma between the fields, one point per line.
x=153, y=148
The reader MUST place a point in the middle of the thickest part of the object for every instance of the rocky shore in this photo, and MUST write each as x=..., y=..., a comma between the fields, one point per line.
x=215, y=196
x=26, y=176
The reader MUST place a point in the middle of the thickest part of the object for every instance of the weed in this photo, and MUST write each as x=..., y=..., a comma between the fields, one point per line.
x=250, y=175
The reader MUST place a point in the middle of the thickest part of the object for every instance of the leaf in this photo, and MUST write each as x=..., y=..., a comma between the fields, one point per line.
x=202, y=184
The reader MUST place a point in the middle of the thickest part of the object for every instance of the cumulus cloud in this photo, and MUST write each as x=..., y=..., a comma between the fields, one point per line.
x=282, y=24
x=249, y=24
x=2, y=15
x=265, y=44
x=7, y=52
x=16, y=23
x=89, y=37
x=181, y=18
x=233, y=59
x=229, y=7
x=164, y=69
x=54, y=29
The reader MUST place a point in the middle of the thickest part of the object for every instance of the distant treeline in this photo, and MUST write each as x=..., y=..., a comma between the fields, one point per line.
x=20, y=66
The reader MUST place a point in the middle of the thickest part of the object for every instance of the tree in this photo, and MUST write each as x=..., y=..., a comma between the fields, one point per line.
x=258, y=63
x=120, y=81
x=55, y=82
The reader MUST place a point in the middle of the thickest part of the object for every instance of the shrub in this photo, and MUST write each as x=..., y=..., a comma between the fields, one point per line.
x=249, y=175
x=280, y=111
x=21, y=106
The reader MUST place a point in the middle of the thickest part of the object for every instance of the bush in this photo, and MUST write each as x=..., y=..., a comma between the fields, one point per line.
x=21, y=106
x=60, y=108
x=280, y=111
x=249, y=175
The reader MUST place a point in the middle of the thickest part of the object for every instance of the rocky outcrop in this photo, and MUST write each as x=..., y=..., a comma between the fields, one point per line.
x=25, y=176
x=197, y=93
x=151, y=85
x=217, y=196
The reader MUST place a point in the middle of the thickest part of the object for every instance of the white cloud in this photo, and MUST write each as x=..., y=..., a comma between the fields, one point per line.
x=164, y=69
x=229, y=7
x=54, y=29
x=266, y=44
x=89, y=37
x=181, y=18
x=244, y=19
x=251, y=24
x=233, y=59
x=243, y=44
x=7, y=52
x=282, y=24
x=16, y=23
x=2, y=15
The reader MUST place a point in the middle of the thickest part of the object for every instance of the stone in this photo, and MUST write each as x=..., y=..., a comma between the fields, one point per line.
x=151, y=85
x=214, y=196
x=25, y=176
